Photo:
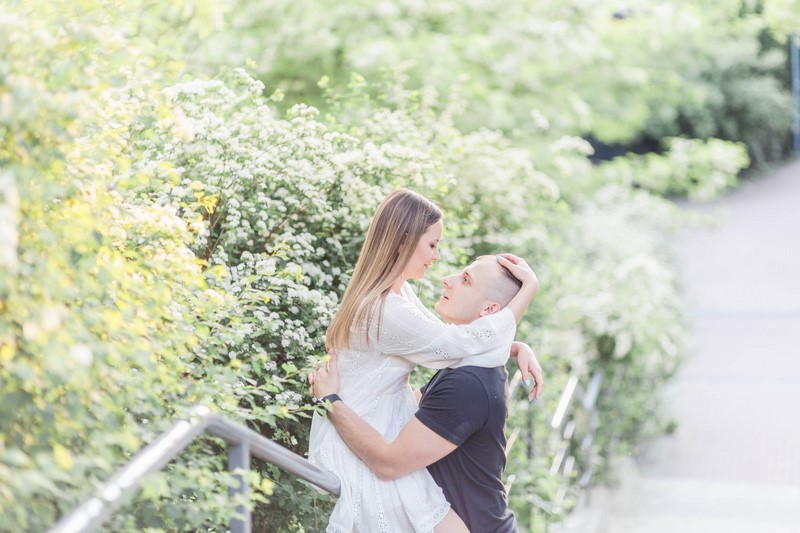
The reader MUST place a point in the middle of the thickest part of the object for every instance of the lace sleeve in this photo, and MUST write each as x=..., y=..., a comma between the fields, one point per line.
x=407, y=332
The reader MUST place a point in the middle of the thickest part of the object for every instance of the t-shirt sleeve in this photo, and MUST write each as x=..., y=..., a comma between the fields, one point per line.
x=455, y=408
x=405, y=331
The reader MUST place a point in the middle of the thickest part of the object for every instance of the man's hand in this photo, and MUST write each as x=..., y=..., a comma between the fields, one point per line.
x=324, y=380
x=529, y=368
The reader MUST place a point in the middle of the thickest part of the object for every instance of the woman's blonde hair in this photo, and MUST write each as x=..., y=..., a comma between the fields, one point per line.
x=396, y=228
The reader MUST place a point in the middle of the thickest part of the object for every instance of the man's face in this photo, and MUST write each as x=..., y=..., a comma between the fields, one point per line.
x=465, y=294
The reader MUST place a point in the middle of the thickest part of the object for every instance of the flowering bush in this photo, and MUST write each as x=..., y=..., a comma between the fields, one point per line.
x=626, y=75
x=102, y=301
x=701, y=170
x=168, y=239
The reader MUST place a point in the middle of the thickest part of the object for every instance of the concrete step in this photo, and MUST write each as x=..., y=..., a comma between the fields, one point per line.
x=661, y=505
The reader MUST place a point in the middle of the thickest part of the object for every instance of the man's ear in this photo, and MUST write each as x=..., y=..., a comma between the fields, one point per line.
x=490, y=308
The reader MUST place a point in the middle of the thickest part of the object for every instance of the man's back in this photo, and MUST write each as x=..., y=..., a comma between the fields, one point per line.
x=467, y=406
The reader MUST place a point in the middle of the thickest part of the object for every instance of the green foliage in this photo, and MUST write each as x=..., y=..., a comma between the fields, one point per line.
x=624, y=75
x=169, y=235
x=735, y=75
x=701, y=170
x=783, y=16
x=101, y=300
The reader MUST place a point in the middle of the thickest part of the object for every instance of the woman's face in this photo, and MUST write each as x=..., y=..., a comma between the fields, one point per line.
x=425, y=253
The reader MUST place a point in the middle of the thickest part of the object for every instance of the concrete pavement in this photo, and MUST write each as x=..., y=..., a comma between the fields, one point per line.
x=733, y=464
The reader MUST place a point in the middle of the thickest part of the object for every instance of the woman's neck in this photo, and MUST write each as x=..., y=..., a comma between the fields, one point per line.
x=398, y=284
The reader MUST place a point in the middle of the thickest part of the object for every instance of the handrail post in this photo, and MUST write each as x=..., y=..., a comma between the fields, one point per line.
x=239, y=459
x=529, y=421
x=795, y=73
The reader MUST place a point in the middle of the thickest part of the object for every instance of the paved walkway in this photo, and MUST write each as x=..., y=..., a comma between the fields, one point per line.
x=733, y=464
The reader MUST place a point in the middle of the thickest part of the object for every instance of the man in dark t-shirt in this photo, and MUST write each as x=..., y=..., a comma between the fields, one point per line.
x=467, y=406
x=458, y=430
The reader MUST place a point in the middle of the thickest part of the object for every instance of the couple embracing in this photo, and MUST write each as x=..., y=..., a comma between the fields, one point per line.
x=430, y=460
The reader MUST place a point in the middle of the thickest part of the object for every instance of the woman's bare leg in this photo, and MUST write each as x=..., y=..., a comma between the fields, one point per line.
x=451, y=523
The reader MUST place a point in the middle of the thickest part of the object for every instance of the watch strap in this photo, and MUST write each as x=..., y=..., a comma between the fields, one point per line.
x=330, y=398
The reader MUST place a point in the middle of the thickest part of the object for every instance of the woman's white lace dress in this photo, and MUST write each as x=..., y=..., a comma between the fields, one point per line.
x=374, y=383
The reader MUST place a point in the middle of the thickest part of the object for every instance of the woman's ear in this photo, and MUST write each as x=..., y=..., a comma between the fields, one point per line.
x=403, y=240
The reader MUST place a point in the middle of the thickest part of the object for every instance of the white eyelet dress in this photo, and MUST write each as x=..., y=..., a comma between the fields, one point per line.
x=373, y=378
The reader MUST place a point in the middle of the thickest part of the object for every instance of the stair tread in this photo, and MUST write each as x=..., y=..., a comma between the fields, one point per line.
x=650, y=504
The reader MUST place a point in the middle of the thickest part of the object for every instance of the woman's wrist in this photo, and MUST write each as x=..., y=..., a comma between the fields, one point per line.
x=531, y=284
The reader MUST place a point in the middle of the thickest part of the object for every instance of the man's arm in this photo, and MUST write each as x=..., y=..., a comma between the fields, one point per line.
x=415, y=447
x=418, y=395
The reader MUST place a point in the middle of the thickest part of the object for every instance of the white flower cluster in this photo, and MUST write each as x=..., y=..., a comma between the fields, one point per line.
x=276, y=204
x=628, y=295
x=9, y=220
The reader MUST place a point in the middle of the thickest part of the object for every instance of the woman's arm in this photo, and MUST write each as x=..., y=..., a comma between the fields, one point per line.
x=408, y=333
x=530, y=284
x=529, y=367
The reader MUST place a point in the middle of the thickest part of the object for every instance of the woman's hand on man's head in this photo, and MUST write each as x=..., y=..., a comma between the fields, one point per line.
x=520, y=269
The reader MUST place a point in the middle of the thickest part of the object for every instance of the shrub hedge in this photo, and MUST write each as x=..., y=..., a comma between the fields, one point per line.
x=171, y=237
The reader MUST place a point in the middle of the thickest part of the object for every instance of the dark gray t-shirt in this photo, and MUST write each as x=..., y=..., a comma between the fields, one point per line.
x=467, y=406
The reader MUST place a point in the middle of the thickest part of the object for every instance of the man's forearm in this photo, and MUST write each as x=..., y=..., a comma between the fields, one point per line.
x=362, y=438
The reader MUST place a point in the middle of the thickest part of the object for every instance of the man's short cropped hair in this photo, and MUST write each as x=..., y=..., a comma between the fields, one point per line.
x=502, y=287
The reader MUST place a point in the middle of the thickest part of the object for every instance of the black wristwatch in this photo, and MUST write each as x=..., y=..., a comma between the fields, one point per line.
x=330, y=398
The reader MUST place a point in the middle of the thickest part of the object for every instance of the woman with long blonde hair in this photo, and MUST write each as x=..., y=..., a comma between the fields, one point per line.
x=381, y=332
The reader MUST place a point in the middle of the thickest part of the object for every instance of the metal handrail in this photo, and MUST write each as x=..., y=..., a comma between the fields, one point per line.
x=243, y=442
x=571, y=438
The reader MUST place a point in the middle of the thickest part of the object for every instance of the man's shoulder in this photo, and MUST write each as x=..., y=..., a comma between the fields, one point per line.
x=470, y=378
x=457, y=402
x=477, y=374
